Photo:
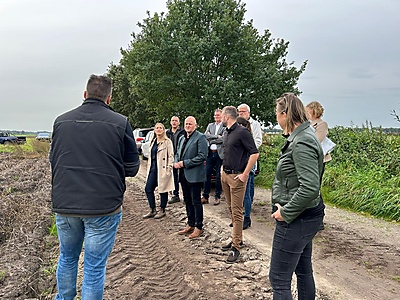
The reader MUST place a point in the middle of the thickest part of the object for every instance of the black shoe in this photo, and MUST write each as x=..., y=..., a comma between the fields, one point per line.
x=246, y=223
x=231, y=225
x=229, y=246
x=174, y=199
x=233, y=256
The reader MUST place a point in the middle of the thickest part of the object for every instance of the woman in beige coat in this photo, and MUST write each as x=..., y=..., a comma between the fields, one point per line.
x=159, y=171
x=315, y=112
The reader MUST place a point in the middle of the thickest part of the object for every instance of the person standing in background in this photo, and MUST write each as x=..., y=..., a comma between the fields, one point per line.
x=190, y=157
x=159, y=171
x=244, y=112
x=296, y=203
x=315, y=112
x=92, y=151
x=214, y=133
x=174, y=133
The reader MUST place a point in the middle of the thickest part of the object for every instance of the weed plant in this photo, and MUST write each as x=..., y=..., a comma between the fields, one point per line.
x=363, y=175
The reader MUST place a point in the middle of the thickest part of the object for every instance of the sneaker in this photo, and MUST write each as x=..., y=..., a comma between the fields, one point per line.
x=233, y=256
x=151, y=214
x=174, y=199
x=216, y=201
x=160, y=214
x=204, y=200
x=229, y=246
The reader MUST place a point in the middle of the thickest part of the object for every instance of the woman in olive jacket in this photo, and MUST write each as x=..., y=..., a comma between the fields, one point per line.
x=297, y=206
x=159, y=171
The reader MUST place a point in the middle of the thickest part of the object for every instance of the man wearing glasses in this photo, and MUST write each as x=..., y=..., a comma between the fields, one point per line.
x=244, y=112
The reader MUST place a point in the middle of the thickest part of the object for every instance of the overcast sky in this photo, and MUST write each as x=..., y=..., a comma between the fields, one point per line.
x=49, y=48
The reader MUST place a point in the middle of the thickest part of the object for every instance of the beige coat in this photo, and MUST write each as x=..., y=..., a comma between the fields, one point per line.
x=165, y=160
x=321, y=131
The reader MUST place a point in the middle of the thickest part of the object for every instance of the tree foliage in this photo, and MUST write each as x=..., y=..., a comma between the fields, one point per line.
x=199, y=56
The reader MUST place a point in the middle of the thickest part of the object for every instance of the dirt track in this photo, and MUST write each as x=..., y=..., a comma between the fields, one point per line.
x=355, y=257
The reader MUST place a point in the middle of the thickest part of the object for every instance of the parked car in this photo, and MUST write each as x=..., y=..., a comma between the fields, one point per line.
x=146, y=145
x=6, y=138
x=43, y=137
x=139, y=135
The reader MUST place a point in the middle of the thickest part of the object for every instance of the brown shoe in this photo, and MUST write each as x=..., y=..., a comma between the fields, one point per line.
x=204, y=200
x=196, y=233
x=186, y=230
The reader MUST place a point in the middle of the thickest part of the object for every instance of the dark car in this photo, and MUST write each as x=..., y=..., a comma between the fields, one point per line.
x=139, y=135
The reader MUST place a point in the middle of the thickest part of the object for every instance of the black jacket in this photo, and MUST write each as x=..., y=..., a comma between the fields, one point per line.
x=174, y=137
x=92, y=151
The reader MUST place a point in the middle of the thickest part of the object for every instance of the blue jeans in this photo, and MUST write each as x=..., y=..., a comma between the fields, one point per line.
x=151, y=184
x=213, y=160
x=249, y=195
x=291, y=252
x=191, y=197
x=98, y=234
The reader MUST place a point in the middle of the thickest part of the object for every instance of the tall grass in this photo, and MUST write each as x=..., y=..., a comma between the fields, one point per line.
x=30, y=148
x=363, y=175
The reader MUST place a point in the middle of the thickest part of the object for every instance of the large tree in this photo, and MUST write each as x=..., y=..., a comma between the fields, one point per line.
x=202, y=55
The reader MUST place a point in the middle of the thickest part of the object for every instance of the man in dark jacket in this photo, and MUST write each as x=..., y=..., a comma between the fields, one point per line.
x=174, y=133
x=92, y=152
x=190, y=157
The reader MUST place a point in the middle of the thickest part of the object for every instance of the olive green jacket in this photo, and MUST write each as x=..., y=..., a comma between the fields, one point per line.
x=297, y=180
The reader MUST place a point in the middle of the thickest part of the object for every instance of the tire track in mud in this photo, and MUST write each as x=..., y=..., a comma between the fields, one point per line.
x=151, y=261
x=365, y=251
x=141, y=265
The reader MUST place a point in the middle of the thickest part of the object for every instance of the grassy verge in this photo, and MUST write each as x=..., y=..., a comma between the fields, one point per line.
x=363, y=175
x=31, y=148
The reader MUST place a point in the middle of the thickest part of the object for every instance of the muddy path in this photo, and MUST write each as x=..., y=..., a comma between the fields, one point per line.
x=355, y=257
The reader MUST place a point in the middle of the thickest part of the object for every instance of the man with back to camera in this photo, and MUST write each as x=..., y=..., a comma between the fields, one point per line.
x=174, y=133
x=214, y=133
x=244, y=112
x=92, y=151
x=240, y=155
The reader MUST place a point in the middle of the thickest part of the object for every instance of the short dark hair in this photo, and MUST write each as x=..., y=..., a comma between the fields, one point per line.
x=98, y=87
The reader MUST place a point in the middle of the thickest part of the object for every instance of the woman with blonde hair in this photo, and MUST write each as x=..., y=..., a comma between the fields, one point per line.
x=159, y=171
x=315, y=112
x=297, y=206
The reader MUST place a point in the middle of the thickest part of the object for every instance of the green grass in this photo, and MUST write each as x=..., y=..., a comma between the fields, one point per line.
x=53, y=227
x=31, y=147
x=2, y=275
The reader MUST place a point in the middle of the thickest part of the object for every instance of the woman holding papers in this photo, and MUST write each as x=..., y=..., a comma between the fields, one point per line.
x=315, y=112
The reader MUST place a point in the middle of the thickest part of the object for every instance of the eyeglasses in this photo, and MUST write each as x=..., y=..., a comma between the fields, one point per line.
x=242, y=111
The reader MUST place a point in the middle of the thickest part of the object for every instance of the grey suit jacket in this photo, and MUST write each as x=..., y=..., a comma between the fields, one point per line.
x=193, y=156
x=214, y=139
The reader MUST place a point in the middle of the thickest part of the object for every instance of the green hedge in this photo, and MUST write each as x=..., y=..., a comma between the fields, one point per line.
x=363, y=175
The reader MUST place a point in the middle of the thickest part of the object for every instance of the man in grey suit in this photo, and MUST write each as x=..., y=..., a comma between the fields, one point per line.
x=189, y=160
x=214, y=133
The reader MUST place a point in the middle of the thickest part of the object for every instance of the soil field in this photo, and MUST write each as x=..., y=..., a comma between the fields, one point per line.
x=355, y=257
